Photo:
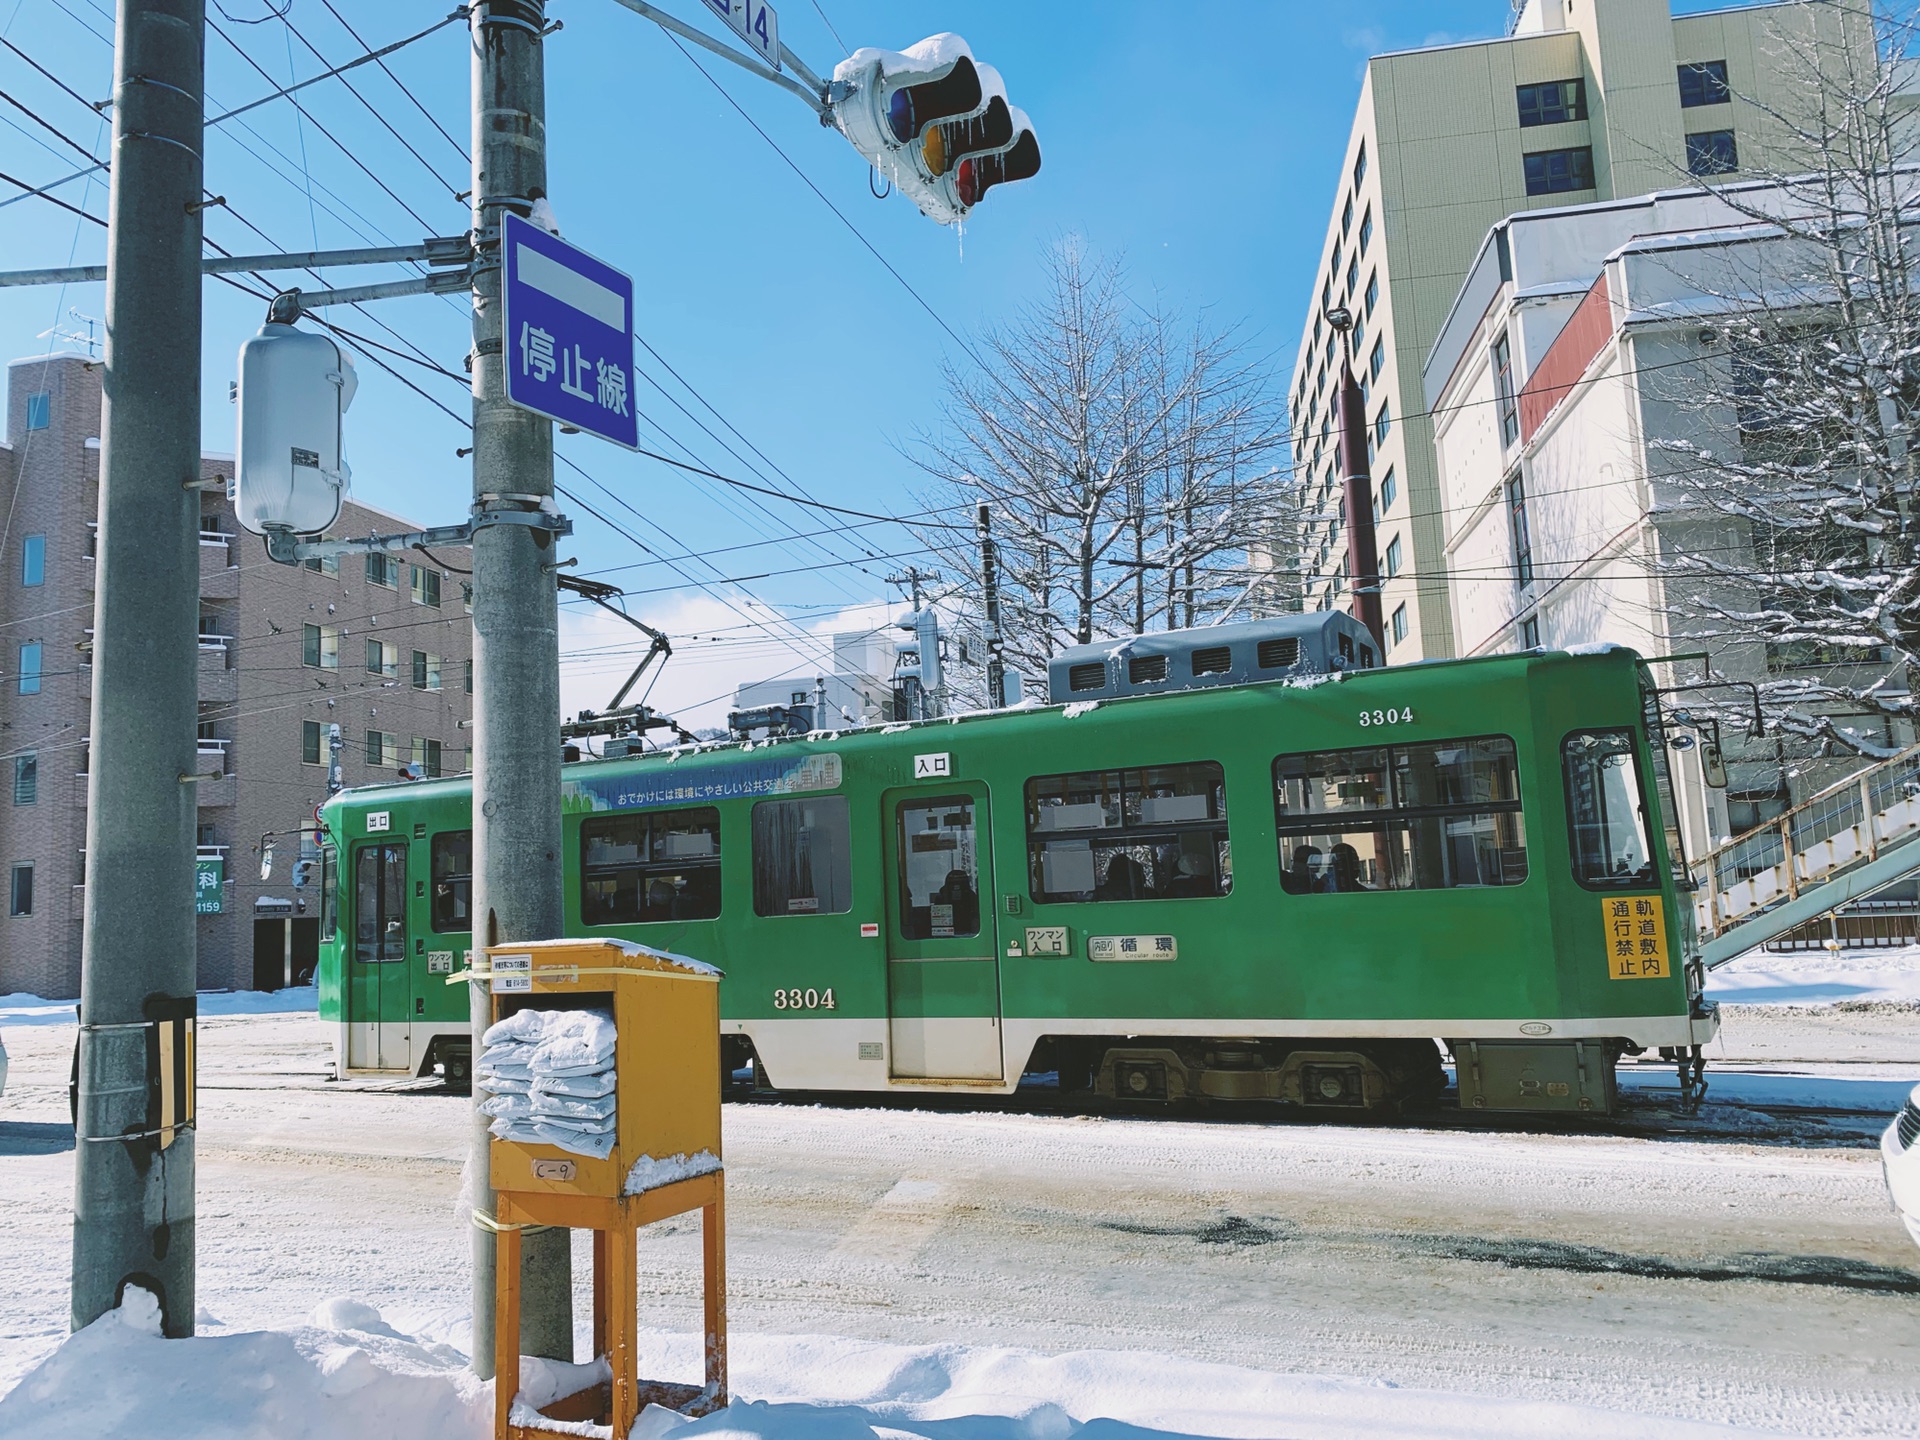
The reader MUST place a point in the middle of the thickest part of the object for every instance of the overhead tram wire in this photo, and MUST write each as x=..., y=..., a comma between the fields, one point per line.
x=432, y=119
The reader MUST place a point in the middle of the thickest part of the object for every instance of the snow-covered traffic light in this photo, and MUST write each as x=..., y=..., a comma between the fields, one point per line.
x=935, y=122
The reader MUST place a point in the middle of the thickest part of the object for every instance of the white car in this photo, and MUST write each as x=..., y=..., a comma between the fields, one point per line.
x=1900, y=1159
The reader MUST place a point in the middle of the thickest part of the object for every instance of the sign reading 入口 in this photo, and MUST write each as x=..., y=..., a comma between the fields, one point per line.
x=568, y=333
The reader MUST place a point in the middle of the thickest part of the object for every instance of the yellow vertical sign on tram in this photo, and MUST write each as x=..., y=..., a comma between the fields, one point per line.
x=1636, y=929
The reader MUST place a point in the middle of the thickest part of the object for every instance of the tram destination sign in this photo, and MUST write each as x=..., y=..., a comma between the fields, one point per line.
x=568, y=333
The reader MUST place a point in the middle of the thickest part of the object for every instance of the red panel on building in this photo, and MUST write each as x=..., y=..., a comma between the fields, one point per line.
x=1566, y=360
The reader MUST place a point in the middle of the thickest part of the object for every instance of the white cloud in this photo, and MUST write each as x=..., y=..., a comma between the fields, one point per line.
x=718, y=645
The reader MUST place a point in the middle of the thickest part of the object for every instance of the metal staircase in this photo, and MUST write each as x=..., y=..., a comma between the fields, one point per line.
x=1845, y=842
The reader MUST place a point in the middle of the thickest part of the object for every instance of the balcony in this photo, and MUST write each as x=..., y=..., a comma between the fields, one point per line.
x=213, y=794
x=219, y=576
x=218, y=682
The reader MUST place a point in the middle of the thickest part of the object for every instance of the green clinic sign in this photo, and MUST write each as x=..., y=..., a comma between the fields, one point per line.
x=209, y=886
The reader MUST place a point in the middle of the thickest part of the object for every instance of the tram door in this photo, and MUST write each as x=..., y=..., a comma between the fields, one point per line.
x=943, y=970
x=378, y=986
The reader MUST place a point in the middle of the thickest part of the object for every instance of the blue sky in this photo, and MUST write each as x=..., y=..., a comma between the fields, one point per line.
x=1199, y=142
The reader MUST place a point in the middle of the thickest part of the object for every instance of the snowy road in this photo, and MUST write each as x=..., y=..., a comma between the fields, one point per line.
x=1713, y=1275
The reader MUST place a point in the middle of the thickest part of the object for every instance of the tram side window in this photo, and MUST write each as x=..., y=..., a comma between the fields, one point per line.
x=1443, y=815
x=1156, y=833
x=329, y=891
x=650, y=865
x=452, y=909
x=802, y=857
x=1606, y=811
x=939, y=868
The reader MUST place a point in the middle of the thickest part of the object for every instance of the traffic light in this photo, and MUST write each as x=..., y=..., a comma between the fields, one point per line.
x=934, y=121
x=294, y=387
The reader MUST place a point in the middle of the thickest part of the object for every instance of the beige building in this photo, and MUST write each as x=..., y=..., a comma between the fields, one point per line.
x=379, y=646
x=1584, y=100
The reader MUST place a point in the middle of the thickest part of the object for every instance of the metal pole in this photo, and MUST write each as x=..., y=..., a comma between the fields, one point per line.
x=516, y=628
x=1363, y=553
x=990, y=605
x=133, y=1219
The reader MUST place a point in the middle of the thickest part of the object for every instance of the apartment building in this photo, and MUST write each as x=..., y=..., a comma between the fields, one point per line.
x=859, y=687
x=379, y=646
x=1584, y=100
x=1582, y=357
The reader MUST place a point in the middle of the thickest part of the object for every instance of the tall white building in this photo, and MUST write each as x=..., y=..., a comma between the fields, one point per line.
x=1584, y=100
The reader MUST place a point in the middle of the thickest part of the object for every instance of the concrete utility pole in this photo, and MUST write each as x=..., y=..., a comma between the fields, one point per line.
x=990, y=608
x=133, y=1220
x=1356, y=495
x=516, y=633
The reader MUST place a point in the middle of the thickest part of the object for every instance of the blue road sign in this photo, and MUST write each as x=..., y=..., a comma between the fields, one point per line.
x=569, y=334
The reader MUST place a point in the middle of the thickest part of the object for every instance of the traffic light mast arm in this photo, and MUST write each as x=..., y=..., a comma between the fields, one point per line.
x=813, y=92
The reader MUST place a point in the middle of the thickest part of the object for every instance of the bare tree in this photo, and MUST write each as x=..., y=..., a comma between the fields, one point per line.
x=1792, y=527
x=1132, y=463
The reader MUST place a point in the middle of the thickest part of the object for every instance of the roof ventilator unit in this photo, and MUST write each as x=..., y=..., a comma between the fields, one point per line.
x=1280, y=647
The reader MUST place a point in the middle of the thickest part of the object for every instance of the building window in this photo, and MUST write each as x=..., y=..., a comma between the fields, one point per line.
x=1553, y=102
x=383, y=570
x=802, y=857
x=1389, y=491
x=325, y=564
x=1393, y=557
x=320, y=646
x=1530, y=633
x=20, y=896
x=1373, y=292
x=1432, y=816
x=312, y=743
x=1518, y=532
x=1148, y=834
x=426, y=757
x=1359, y=334
x=656, y=865
x=30, y=668
x=426, y=671
x=452, y=860
x=469, y=670
x=1712, y=152
x=1383, y=422
x=1503, y=389
x=1346, y=216
x=33, y=560
x=1379, y=358
x=1333, y=272
x=39, y=411
x=383, y=751
x=1553, y=172
x=1704, y=82
x=1360, y=166
x=1399, y=624
x=1353, y=275
x=426, y=586
x=383, y=659
x=1366, y=229
x=26, y=778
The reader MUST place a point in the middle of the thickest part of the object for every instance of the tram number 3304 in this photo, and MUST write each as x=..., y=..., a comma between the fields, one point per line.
x=803, y=1000
x=1387, y=717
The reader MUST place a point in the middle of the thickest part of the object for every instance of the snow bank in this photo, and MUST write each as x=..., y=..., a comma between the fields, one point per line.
x=345, y=1375
x=1818, y=977
x=23, y=1009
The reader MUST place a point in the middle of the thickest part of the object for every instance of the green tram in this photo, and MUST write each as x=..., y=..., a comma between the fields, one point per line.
x=1293, y=891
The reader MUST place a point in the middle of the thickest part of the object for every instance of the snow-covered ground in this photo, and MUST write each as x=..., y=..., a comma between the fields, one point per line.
x=1817, y=977
x=974, y=1273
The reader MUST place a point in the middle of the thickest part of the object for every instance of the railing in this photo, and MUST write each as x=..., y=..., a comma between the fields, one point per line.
x=208, y=745
x=1845, y=825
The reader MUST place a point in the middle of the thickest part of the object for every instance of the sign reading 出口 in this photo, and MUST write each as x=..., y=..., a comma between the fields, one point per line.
x=568, y=333
x=1636, y=931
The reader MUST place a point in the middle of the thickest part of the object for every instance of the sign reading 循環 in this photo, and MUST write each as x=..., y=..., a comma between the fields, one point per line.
x=568, y=333
x=209, y=886
x=1636, y=937
x=694, y=784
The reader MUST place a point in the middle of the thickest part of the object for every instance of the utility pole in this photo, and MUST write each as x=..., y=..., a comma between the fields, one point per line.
x=133, y=1214
x=922, y=691
x=1356, y=495
x=990, y=607
x=516, y=635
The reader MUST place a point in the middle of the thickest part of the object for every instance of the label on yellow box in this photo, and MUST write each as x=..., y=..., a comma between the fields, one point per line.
x=1636, y=931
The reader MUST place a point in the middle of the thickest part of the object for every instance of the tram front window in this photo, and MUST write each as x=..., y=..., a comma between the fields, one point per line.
x=1606, y=811
x=939, y=868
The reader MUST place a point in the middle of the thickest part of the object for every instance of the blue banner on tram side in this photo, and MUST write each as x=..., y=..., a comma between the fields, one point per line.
x=683, y=783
